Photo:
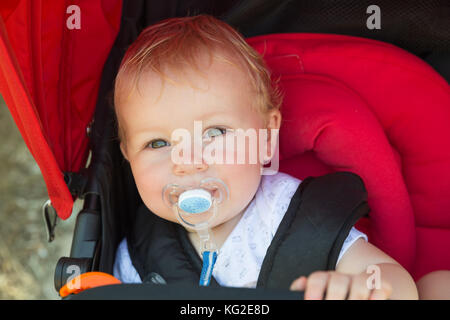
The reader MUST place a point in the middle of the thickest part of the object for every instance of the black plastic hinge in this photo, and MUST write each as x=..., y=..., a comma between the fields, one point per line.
x=76, y=182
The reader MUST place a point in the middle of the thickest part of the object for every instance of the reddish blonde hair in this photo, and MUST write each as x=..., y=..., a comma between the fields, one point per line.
x=177, y=42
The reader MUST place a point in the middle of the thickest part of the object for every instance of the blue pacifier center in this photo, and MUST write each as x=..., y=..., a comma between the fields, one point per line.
x=195, y=201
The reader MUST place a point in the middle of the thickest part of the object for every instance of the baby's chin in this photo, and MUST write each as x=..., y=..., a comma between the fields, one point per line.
x=202, y=217
x=211, y=226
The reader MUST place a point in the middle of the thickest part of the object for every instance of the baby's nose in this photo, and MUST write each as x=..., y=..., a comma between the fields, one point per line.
x=190, y=168
x=187, y=161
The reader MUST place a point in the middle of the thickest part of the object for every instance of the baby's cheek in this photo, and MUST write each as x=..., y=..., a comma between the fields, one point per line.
x=244, y=181
x=153, y=200
x=150, y=186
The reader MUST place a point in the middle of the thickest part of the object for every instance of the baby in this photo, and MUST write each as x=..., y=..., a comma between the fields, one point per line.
x=185, y=71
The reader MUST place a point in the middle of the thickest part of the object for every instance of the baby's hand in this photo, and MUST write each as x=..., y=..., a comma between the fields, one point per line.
x=340, y=286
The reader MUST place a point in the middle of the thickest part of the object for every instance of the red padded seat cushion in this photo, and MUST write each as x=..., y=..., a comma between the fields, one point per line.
x=371, y=108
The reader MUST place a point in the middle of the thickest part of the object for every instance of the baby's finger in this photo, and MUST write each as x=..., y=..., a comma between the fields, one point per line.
x=359, y=290
x=299, y=284
x=383, y=293
x=338, y=285
x=315, y=285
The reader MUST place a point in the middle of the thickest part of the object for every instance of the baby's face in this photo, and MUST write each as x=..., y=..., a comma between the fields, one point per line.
x=221, y=99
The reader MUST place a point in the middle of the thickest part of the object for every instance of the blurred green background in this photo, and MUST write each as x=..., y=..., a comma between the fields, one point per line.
x=27, y=260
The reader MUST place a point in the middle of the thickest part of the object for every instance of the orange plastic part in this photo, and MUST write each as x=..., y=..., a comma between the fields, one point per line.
x=86, y=281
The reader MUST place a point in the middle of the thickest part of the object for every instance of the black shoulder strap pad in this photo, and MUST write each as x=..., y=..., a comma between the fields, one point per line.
x=318, y=220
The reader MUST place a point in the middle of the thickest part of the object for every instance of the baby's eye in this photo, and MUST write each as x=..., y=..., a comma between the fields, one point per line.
x=157, y=143
x=216, y=131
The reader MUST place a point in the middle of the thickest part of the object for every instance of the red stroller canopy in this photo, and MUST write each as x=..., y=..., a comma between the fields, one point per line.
x=50, y=71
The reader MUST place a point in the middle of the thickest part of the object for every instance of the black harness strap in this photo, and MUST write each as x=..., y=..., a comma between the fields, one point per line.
x=314, y=228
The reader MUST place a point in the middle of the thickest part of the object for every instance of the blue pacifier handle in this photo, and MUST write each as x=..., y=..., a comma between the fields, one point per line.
x=188, y=201
x=209, y=259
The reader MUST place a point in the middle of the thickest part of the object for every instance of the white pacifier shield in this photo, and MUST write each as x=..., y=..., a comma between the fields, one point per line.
x=195, y=201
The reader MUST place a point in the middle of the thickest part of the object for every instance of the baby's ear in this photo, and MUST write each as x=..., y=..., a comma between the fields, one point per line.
x=273, y=121
x=124, y=150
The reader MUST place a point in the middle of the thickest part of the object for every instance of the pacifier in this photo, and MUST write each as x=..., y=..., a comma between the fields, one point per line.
x=196, y=206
